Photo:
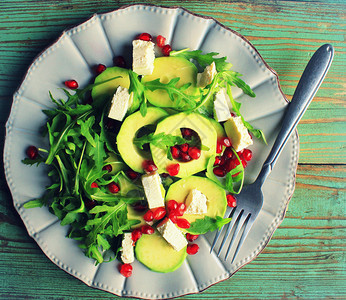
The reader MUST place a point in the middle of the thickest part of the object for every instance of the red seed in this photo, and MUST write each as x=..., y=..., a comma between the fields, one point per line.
x=173, y=217
x=126, y=270
x=136, y=234
x=159, y=213
x=145, y=37
x=32, y=152
x=89, y=204
x=231, y=201
x=183, y=223
x=100, y=68
x=217, y=160
x=228, y=153
x=233, y=163
x=132, y=174
x=113, y=187
x=175, y=152
x=147, y=229
x=164, y=175
x=119, y=61
x=194, y=152
x=191, y=237
x=173, y=169
x=218, y=147
x=226, y=142
x=244, y=163
x=184, y=147
x=172, y=205
x=186, y=132
x=166, y=49
x=247, y=154
x=179, y=211
x=160, y=41
x=140, y=206
x=219, y=171
x=71, y=84
x=184, y=157
x=148, y=216
x=149, y=166
x=107, y=168
x=94, y=185
x=192, y=249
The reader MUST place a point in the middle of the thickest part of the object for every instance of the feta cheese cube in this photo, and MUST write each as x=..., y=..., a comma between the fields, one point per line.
x=172, y=234
x=196, y=203
x=205, y=78
x=120, y=104
x=237, y=133
x=143, y=57
x=221, y=110
x=152, y=189
x=127, y=252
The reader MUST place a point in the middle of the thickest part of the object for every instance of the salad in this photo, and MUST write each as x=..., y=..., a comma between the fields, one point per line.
x=146, y=159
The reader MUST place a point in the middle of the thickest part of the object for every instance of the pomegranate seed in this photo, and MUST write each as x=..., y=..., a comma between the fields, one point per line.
x=219, y=171
x=164, y=175
x=186, y=132
x=159, y=213
x=183, y=223
x=247, y=154
x=244, y=163
x=166, y=49
x=191, y=237
x=94, y=185
x=71, y=84
x=233, y=163
x=132, y=174
x=217, y=160
x=136, y=234
x=172, y=205
x=160, y=41
x=147, y=229
x=218, y=147
x=32, y=152
x=233, y=115
x=126, y=270
x=194, y=152
x=175, y=152
x=140, y=206
x=100, y=68
x=148, y=216
x=149, y=166
x=119, y=61
x=145, y=37
x=184, y=147
x=113, y=187
x=226, y=142
x=89, y=204
x=173, y=169
x=179, y=211
x=231, y=201
x=192, y=249
x=228, y=153
x=185, y=157
x=222, y=160
x=107, y=168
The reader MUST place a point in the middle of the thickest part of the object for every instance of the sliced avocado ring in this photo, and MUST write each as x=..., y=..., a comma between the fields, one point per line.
x=130, y=153
x=155, y=253
x=220, y=131
x=172, y=125
x=167, y=68
x=216, y=195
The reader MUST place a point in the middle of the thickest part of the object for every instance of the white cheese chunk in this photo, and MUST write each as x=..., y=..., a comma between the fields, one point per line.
x=221, y=110
x=237, y=133
x=120, y=104
x=196, y=203
x=205, y=78
x=127, y=252
x=152, y=189
x=143, y=57
x=172, y=234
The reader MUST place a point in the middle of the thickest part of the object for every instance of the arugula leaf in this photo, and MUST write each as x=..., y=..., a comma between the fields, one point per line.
x=202, y=226
x=160, y=140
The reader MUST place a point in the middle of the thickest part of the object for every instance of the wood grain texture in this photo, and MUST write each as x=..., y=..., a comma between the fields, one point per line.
x=306, y=257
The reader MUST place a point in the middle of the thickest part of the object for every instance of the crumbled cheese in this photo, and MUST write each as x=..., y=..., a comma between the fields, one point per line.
x=237, y=133
x=121, y=101
x=196, y=203
x=172, y=234
x=127, y=253
x=221, y=110
x=152, y=189
x=143, y=57
x=205, y=78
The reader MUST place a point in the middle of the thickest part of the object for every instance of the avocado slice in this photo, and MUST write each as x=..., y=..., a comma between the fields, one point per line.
x=167, y=68
x=103, y=92
x=171, y=125
x=220, y=131
x=155, y=253
x=216, y=195
x=130, y=153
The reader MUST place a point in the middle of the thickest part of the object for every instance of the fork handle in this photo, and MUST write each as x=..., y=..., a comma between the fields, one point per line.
x=312, y=77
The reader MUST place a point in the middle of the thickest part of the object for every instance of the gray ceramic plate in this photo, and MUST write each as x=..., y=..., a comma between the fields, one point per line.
x=97, y=41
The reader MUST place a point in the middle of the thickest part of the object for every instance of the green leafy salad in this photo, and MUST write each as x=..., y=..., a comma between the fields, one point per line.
x=146, y=159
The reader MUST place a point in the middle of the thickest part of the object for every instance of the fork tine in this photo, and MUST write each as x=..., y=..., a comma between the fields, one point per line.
x=230, y=226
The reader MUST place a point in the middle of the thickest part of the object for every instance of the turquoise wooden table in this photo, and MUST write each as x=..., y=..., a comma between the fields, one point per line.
x=306, y=257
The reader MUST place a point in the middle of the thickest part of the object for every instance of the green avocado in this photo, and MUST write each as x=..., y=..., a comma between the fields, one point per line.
x=220, y=131
x=155, y=253
x=172, y=125
x=167, y=68
x=130, y=153
x=103, y=92
x=216, y=195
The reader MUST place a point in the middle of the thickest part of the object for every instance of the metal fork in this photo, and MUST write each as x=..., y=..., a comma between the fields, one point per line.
x=250, y=199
